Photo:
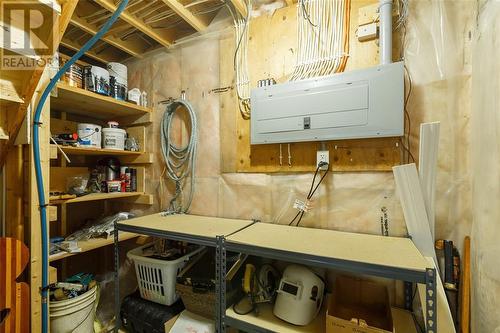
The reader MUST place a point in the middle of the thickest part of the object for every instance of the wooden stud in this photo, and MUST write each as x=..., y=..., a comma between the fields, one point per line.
x=139, y=24
x=123, y=45
x=186, y=14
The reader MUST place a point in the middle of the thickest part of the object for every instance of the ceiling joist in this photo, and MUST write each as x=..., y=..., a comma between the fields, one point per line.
x=90, y=53
x=186, y=14
x=240, y=7
x=139, y=24
x=123, y=45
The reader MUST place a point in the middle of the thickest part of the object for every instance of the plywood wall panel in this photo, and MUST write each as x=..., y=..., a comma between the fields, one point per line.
x=271, y=54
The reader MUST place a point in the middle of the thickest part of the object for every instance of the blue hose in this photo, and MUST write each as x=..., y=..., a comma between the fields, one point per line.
x=36, y=156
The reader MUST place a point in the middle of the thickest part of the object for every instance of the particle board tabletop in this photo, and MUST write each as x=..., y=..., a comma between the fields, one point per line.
x=394, y=252
x=193, y=226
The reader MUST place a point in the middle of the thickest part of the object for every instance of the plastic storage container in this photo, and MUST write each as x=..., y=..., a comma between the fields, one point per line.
x=157, y=277
x=113, y=138
x=89, y=135
x=74, y=315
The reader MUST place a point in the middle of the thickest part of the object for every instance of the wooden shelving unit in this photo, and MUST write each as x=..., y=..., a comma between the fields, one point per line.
x=92, y=244
x=70, y=106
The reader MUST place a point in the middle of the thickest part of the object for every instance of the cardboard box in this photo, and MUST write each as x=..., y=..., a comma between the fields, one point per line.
x=359, y=306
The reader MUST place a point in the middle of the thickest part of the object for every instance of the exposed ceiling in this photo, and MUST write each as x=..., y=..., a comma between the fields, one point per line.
x=145, y=25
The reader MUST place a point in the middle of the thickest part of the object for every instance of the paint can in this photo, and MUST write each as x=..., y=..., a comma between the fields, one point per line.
x=96, y=79
x=89, y=135
x=74, y=76
x=114, y=138
x=117, y=80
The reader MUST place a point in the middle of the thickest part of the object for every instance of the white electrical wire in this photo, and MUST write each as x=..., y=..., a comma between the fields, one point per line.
x=241, y=37
x=179, y=160
x=321, y=38
x=404, y=8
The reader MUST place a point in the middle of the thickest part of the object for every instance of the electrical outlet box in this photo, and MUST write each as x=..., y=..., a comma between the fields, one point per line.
x=322, y=156
x=367, y=32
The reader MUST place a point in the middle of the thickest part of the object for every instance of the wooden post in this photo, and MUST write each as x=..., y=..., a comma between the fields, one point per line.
x=35, y=238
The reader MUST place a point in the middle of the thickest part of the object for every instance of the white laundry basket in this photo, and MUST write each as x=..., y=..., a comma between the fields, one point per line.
x=157, y=277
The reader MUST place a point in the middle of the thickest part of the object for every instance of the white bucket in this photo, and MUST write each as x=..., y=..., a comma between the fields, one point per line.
x=118, y=71
x=118, y=80
x=113, y=138
x=75, y=315
x=96, y=79
x=89, y=135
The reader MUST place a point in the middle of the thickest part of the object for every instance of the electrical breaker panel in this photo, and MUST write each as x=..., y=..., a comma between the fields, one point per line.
x=363, y=103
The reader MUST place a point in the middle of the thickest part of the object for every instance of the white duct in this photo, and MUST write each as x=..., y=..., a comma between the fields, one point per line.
x=385, y=12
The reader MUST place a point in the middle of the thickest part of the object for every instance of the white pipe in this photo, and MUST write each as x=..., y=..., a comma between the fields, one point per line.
x=385, y=11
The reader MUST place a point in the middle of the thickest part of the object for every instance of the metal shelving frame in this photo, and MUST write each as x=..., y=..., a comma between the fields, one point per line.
x=222, y=245
x=175, y=236
x=428, y=277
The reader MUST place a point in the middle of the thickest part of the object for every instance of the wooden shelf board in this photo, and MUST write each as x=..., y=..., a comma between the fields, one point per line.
x=193, y=225
x=97, y=196
x=93, y=244
x=97, y=151
x=80, y=101
x=402, y=320
x=362, y=248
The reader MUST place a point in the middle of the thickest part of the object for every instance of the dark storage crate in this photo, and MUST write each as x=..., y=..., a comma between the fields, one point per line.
x=142, y=316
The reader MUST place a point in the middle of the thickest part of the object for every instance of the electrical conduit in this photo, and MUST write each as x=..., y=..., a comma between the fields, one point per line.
x=385, y=11
x=36, y=156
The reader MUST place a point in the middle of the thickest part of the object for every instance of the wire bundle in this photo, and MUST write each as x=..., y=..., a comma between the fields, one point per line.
x=322, y=38
x=404, y=8
x=312, y=190
x=179, y=161
x=240, y=61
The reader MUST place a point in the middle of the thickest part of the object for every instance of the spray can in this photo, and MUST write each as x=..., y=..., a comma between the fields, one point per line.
x=133, y=180
x=127, y=181
x=123, y=179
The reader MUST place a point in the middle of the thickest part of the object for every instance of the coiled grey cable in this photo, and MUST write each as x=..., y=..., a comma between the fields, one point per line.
x=179, y=161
